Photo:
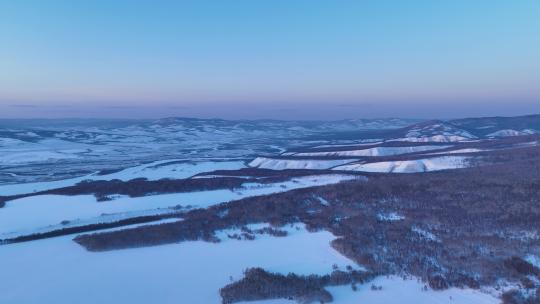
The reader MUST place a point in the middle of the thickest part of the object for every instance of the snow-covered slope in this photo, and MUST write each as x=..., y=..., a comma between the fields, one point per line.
x=377, y=151
x=482, y=126
x=169, y=168
x=510, y=132
x=282, y=164
x=435, y=131
x=435, y=138
x=409, y=166
x=42, y=150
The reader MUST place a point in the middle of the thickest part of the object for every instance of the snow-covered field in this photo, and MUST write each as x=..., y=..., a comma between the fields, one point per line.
x=170, y=168
x=189, y=272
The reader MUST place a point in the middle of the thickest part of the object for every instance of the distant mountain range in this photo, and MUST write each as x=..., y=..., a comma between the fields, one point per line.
x=38, y=149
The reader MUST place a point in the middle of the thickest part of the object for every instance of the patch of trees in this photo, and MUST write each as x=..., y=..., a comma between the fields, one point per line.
x=259, y=284
x=250, y=235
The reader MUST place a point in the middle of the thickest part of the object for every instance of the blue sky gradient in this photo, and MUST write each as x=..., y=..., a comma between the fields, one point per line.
x=269, y=59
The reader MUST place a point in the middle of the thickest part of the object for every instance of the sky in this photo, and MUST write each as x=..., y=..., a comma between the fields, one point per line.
x=299, y=59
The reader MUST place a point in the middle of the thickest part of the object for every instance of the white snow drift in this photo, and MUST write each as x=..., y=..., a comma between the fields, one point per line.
x=409, y=166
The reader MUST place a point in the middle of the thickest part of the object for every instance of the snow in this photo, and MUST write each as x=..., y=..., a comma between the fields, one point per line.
x=60, y=271
x=283, y=164
x=77, y=222
x=409, y=166
x=36, y=212
x=15, y=189
x=376, y=151
x=38, y=156
x=392, y=216
x=172, y=169
x=464, y=150
x=435, y=138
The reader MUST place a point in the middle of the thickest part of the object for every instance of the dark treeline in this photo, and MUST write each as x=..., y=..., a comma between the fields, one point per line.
x=87, y=228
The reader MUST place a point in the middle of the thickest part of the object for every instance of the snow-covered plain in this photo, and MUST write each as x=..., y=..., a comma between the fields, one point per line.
x=174, y=169
x=37, y=212
x=170, y=168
